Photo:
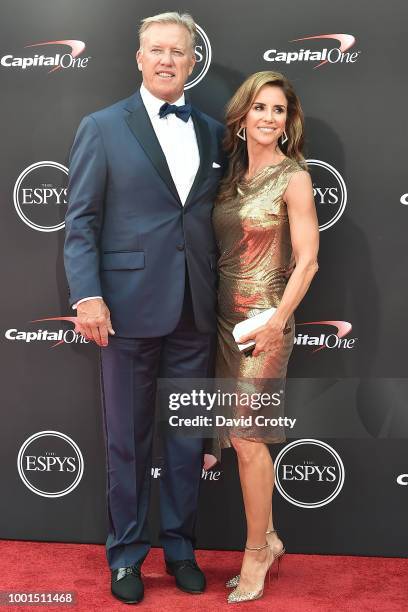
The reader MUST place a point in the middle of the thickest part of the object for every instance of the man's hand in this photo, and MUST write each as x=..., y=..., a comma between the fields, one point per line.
x=93, y=321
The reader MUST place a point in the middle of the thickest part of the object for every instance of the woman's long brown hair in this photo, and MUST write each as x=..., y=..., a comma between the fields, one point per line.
x=237, y=109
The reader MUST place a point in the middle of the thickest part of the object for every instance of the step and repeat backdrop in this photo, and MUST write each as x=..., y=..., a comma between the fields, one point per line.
x=342, y=476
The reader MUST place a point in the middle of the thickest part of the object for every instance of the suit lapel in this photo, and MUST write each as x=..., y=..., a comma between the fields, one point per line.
x=141, y=126
x=204, y=145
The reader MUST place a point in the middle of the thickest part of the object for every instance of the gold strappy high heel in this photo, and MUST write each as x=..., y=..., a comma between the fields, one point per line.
x=237, y=596
x=232, y=583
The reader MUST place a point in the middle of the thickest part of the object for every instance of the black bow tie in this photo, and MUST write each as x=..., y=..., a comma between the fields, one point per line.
x=182, y=112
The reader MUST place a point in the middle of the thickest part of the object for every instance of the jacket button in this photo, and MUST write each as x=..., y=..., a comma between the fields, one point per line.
x=180, y=247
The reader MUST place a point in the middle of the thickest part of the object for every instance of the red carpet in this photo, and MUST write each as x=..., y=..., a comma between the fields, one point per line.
x=307, y=583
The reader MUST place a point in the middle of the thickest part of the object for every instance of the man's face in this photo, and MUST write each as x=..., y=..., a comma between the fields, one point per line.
x=166, y=60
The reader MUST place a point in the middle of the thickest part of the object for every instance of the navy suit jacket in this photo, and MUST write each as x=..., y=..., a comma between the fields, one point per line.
x=128, y=236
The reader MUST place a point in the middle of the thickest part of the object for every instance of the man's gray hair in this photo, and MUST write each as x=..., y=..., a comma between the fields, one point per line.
x=183, y=19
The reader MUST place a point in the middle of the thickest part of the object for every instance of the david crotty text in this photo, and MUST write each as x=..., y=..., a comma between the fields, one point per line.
x=222, y=421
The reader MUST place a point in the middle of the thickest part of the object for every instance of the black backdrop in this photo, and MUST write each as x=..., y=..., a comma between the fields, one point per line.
x=343, y=487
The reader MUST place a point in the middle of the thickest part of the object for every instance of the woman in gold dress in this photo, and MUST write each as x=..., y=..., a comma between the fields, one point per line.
x=267, y=233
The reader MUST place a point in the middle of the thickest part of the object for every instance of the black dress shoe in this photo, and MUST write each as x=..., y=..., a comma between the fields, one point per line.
x=189, y=577
x=127, y=585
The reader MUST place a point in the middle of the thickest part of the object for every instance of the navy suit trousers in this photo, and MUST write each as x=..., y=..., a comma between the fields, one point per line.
x=129, y=371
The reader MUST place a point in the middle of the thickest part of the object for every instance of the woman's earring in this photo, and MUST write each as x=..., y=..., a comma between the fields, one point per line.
x=284, y=138
x=242, y=133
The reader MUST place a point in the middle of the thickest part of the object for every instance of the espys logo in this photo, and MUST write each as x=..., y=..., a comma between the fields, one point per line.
x=50, y=464
x=58, y=337
x=309, y=473
x=336, y=55
x=324, y=340
x=329, y=191
x=203, y=56
x=402, y=479
x=58, y=61
x=40, y=196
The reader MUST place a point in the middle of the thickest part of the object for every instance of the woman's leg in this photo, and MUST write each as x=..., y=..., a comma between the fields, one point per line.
x=256, y=476
x=272, y=537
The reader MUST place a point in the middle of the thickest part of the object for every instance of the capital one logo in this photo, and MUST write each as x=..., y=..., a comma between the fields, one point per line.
x=333, y=340
x=57, y=337
x=58, y=61
x=330, y=192
x=334, y=55
x=50, y=464
x=309, y=473
x=203, y=54
x=156, y=472
x=40, y=196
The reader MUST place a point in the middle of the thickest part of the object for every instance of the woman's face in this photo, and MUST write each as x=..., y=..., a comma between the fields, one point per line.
x=266, y=119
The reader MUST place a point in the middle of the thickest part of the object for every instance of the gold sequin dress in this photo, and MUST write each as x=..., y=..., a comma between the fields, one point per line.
x=253, y=238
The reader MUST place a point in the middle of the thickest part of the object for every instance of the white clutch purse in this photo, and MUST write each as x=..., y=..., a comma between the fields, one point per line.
x=245, y=327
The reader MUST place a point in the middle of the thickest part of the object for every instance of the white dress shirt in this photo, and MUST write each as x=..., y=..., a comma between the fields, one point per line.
x=178, y=141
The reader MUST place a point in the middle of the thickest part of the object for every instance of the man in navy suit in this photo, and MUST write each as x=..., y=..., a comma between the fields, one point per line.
x=140, y=258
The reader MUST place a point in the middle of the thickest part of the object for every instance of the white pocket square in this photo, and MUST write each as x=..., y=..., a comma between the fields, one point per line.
x=215, y=165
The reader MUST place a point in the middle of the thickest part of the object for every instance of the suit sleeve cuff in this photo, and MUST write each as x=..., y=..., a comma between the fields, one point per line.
x=93, y=297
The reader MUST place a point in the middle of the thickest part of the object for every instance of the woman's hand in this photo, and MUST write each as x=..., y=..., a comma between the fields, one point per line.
x=268, y=338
